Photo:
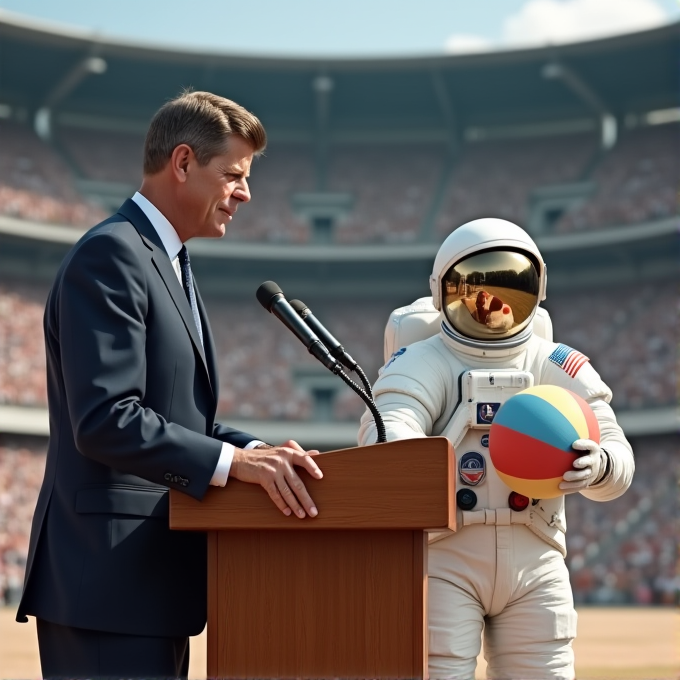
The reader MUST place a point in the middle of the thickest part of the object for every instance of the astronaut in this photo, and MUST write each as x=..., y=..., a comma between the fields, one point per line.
x=502, y=572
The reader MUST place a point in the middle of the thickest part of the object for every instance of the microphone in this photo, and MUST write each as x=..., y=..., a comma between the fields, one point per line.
x=336, y=350
x=334, y=347
x=271, y=297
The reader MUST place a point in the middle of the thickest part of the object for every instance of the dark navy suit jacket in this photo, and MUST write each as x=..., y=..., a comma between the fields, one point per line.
x=132, y=397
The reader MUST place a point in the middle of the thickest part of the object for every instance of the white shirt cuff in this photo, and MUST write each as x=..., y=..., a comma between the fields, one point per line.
x=221, y=473
x=253, y=444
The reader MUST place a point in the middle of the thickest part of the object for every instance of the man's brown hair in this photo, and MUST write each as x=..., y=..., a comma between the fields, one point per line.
x=202, y=120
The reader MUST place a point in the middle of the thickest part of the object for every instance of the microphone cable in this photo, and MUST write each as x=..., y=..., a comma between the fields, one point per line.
x=368, y=400
x=364, y=380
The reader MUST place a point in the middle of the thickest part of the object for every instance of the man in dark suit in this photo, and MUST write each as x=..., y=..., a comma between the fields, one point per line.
x=132, y=391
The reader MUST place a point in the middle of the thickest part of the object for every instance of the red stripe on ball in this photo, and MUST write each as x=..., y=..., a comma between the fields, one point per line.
x=518, y=455
x=591, y=420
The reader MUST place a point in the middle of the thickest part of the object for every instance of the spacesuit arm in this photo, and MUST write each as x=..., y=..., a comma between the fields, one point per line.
x=410, y=393
x=618, y=473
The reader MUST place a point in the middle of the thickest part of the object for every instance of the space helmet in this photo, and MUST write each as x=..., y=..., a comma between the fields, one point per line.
x=487, y=280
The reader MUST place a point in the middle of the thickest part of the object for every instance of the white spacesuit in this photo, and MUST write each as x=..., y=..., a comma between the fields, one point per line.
x=503, y=570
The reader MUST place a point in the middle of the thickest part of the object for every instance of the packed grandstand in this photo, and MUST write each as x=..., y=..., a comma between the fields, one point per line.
x=636, y=182
x=358, y=186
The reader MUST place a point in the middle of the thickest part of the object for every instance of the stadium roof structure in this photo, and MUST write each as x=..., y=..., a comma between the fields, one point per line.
x=107, y=84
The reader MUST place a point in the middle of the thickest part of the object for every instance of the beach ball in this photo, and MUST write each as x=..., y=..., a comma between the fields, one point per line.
x=531, y=436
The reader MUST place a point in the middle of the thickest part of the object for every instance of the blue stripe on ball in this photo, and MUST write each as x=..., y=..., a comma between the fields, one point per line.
x=535, y=417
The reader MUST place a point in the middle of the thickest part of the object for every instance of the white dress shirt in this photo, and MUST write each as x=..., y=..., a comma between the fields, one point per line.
x=173, y=244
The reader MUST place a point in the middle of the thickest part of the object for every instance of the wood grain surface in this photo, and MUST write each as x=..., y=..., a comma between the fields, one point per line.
x=409, y=484
x=333, y=603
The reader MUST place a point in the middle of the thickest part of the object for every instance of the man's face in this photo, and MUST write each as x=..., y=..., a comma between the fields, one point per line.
x=212, y=193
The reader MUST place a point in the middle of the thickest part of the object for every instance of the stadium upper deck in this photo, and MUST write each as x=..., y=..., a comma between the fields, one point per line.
x=362, y=150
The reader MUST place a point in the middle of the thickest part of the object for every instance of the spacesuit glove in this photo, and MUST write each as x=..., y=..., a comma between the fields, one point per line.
x=587, y=470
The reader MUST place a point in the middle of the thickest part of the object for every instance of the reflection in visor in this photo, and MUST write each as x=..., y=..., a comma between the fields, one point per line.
x=489, y=295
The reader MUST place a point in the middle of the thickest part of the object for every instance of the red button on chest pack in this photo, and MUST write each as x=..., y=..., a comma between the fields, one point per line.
x=517, y=502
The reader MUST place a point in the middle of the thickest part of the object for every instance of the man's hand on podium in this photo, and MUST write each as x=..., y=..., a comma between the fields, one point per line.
x=273, y=468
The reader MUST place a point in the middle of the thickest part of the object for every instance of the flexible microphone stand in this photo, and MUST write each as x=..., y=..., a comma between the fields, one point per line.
x=368, y=400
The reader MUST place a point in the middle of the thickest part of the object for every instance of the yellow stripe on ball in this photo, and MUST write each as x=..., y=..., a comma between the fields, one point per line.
x=565, y=403
x=533, y=488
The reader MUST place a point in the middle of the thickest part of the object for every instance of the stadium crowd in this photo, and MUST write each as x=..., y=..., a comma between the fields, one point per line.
x=392, y=187
x=258, y=360
x=104, y=157
x=620, y=552
x=285, y=170
x=22, y=465
x=637, y=181
x=22, y=346
x=36, y=184
x=497, y=177
x=631, y=343
x=625, y=551
x=258, y=363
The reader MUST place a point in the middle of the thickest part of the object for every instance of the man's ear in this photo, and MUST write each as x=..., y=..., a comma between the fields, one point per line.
x=181, y=159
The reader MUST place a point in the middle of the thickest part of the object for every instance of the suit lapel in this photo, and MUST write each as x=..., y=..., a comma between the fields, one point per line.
x=135, y=215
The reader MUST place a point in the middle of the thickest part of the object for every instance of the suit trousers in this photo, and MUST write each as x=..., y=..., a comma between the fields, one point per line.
x=508, y=584
x=67, y=652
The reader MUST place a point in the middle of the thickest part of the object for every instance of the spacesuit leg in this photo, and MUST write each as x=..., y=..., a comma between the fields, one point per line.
x=453, y=648
x=532, y=636
x=461, y=578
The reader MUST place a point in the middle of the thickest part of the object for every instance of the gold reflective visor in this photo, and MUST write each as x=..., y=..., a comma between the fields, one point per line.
x=491, y=295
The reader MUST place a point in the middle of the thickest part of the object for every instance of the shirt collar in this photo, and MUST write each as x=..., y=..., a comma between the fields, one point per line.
x=165, y=230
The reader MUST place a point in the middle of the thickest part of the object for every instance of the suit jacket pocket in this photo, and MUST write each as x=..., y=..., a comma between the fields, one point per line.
x=112, y=500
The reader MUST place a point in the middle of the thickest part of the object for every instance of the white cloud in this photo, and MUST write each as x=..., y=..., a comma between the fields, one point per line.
x=560, y=21
x=463, y=43
x=540, y=22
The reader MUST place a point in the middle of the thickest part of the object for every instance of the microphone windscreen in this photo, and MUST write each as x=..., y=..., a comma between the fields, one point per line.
x=266, y=293
x=298, y=305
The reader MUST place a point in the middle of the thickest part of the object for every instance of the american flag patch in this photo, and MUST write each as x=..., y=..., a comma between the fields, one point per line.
x=568, y=359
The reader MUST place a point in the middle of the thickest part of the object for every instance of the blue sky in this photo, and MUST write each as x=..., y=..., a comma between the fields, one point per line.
x=352, y=27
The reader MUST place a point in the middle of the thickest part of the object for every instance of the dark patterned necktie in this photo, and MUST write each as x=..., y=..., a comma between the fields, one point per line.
x=188, y=285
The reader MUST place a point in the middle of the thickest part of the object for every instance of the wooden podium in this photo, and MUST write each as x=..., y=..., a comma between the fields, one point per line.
x=340, y=595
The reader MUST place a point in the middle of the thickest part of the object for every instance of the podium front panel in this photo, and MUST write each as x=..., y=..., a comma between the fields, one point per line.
x=328, y=603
